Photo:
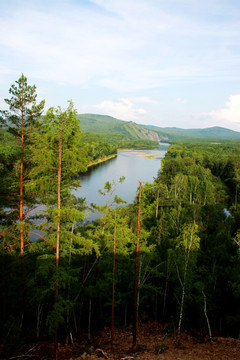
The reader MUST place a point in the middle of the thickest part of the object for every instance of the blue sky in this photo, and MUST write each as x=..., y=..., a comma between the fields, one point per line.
x=161, y=62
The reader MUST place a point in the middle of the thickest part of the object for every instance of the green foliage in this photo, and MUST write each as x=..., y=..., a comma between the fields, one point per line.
x=212, y=133
x=97, y=147
x=23, y=108
x=109, y=190
x=56, y=124
x=15, y=155
x=110, y=125
x=104, y=144
x=107, y=124
x=186, y=241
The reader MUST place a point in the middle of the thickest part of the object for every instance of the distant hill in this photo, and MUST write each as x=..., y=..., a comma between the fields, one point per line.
x=103, y=124
x=107, y=124
x=215, y=132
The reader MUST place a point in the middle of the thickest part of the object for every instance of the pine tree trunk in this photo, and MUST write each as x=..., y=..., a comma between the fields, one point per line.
x=59, y=198
x=166, y=288
x=125, y=316
x=89, y=318
x=39, y=314
x=21, y=193
x=157, y=203
x=113, y=283
x=21, y=218
x=236, y=196
x=134, y=345
x=3, y=293
x=58, y=230
x=139, y=283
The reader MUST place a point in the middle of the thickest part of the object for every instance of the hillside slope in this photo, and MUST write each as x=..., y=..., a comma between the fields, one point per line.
x=109, y=125
x=215, y=132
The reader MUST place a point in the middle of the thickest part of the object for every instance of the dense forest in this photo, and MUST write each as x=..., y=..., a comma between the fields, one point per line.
x=106, y=125
x=172, y=256
x=100, y=147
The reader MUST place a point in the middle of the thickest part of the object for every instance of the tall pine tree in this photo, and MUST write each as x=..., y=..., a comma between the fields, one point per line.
x=20, y=120
x=58, y=160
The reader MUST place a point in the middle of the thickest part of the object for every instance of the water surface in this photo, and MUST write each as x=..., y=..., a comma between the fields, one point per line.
x=135, y=165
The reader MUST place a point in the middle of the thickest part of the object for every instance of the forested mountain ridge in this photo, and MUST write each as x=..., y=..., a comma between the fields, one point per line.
x=107, y=124
x=215, y=132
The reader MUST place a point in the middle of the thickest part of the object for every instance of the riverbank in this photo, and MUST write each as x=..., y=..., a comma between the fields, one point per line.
x=127, y=164
x=101, y=160
x=134, y=151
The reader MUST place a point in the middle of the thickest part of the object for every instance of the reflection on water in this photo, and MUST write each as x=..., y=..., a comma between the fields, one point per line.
x=135, y=165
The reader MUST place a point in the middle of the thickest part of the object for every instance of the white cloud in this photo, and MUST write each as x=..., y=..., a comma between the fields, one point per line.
x=143, y=99
x=231, y=112
x=123, y=109
x=116, y=44
x=181, y=101
x=110, y=49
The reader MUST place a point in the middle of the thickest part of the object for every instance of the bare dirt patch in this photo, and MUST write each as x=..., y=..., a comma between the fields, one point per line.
x=154, y=343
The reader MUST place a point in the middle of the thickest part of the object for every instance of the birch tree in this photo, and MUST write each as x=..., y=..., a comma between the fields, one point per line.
x=188, y=242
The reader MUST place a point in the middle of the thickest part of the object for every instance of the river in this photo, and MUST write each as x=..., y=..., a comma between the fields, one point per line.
x=135, y=165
